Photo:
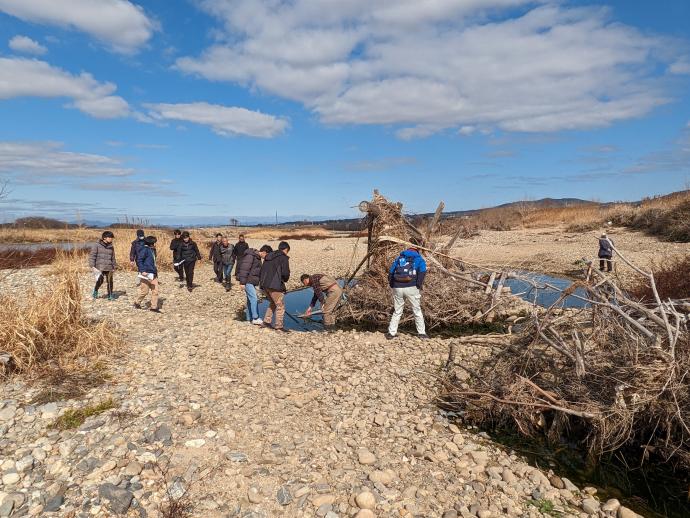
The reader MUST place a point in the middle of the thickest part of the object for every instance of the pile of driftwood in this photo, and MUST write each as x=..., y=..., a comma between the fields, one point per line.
x=614, y=374
x=456, y=293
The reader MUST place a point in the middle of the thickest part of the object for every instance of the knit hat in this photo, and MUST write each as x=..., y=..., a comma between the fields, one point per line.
x=150, y=240
x=140, y=234
x=185, y=234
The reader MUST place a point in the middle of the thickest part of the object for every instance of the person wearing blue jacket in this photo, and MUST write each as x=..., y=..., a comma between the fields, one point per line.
x=148, y=274
x=406, y=279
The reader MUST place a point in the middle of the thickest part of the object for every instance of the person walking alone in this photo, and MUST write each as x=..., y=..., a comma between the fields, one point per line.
x=327, y=291
x=275, y=272
x=248, y=274
x=605, y=253
x=148, y=273
x=227, y=261
x=216, y=259
x=177, y=262
x=102, y=262
x=189, y=253
x=406, y=279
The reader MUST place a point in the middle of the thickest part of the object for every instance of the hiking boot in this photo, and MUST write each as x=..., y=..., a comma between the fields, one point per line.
x=111, y=297
x=155, y=310
x=189, y=289
x=95, y=294
x=136, y=306
x=389, y=336
x=423, y=337
x=264, y=325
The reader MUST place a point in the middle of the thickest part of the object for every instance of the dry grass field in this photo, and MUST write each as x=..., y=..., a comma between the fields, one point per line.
x=665, y=216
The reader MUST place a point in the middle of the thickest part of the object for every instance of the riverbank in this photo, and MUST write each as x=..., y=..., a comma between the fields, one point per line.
x=205, y=410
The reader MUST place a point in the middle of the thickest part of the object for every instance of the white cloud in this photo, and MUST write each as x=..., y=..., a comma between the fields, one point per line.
x=46, y=161
x=21, y=77
x=682, y=66
x=516, y=65
x=120, y=24
x=467, y=131
x=224, y=120
x=26, y=45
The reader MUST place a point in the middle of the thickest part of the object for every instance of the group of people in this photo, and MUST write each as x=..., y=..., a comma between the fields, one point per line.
x=267, y=270
x=263, y=270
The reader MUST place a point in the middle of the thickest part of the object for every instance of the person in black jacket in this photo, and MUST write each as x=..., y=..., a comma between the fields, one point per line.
x=240, y=248
x=175, y=247
x=137, y=244
x=189, y=254
x=248, y=274
x=275, y=272
x=216, y=258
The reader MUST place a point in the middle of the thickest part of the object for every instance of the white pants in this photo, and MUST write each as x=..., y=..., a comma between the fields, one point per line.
x=414, y=296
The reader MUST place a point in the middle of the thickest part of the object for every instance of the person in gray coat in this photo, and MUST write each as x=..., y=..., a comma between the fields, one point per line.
x=102, y=263
x=605, y=252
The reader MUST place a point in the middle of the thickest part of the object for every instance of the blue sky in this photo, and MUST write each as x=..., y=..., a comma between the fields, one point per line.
x=203, y=110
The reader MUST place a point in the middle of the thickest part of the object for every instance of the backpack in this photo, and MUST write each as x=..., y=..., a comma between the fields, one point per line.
x=404, y=269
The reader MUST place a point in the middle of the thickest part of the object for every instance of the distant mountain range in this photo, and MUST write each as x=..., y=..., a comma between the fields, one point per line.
x=339, y=222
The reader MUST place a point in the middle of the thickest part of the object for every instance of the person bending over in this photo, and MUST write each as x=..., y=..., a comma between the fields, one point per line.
x=327, y=291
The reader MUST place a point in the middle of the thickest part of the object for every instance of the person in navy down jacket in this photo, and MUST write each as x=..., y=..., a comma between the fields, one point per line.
x=406, y=279
x=148, y=273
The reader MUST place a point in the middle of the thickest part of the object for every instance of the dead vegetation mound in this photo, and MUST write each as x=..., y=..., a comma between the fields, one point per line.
x=48, y=330
x=613, y=375
x=454, y=294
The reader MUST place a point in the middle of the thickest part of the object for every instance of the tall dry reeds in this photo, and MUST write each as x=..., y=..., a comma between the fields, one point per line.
x=44, y=330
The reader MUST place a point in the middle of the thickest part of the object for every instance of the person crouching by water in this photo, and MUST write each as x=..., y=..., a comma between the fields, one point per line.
x=327, y=291
x=248, y=274
x=406, y=279
x=148, y=273
x=177, y=262
x=605, y=253
x=275, y=272
x=102, y=262
x=189, y=255
x=227, y=258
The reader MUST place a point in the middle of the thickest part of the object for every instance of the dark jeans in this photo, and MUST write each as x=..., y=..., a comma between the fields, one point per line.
x=108, y=278
x=180, y=271
x=189, y=272
x=605, y=261
x=218, y=269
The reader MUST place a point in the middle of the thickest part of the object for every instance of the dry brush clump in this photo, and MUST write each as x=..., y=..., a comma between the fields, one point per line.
x=48, y=330
x=672, y=278
x=612, y=376
x=14, y=259
x=453, y=293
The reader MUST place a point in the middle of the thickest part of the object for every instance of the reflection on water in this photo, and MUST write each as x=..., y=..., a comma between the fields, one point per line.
x=548, y=296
